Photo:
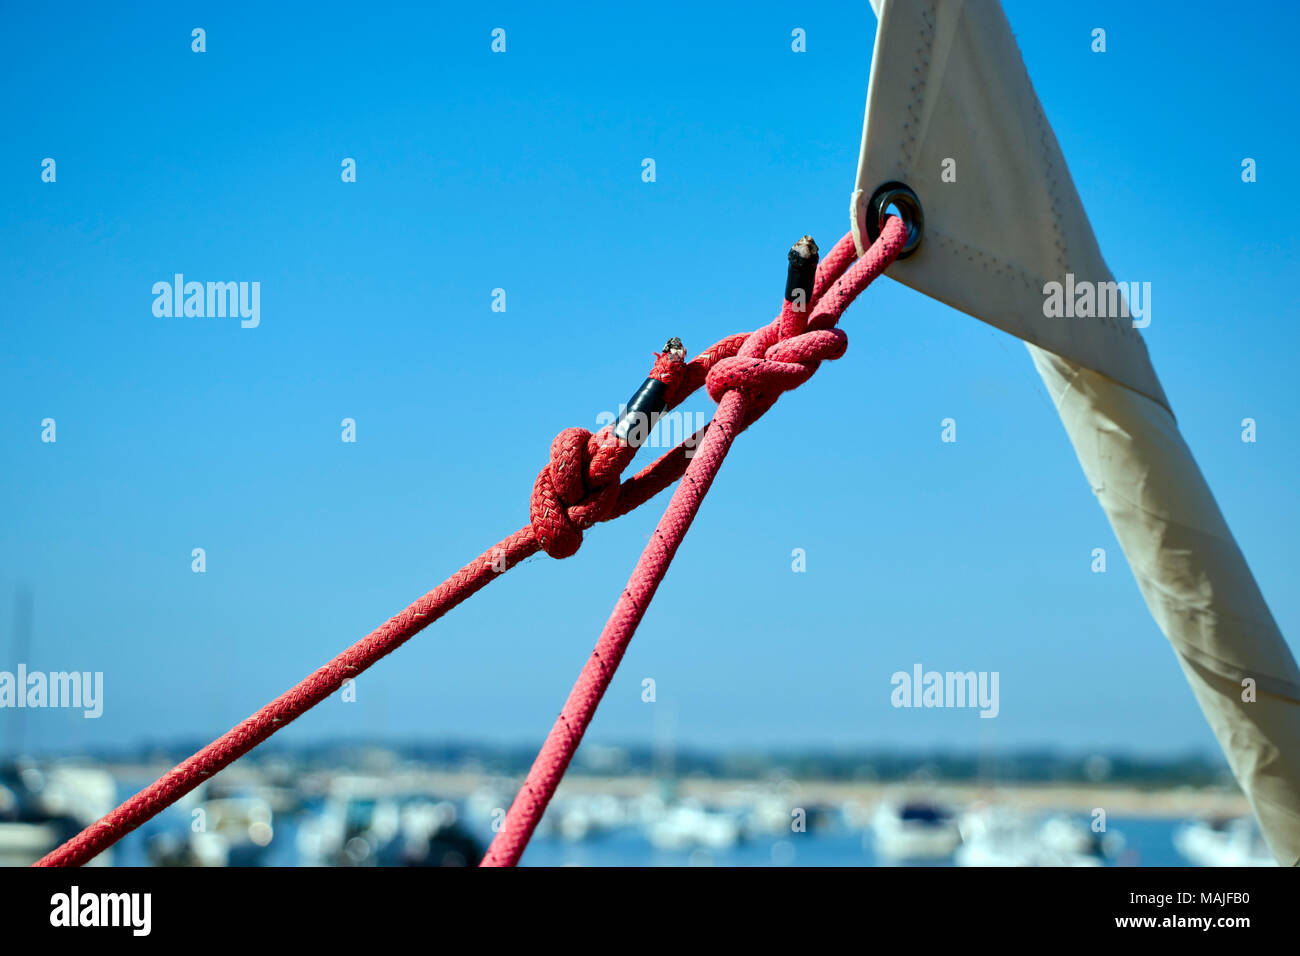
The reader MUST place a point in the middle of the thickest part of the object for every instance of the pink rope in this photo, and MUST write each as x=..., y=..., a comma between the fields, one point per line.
x=774, y=359
x=578, y=488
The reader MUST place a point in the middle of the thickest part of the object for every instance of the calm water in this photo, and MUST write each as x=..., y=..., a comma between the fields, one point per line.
x=1148, y=843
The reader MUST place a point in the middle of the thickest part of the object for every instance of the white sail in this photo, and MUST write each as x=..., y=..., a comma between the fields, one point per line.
x=949, y=92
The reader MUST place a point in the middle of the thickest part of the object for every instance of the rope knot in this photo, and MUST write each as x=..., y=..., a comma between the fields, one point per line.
x=576, y=488
x=768, y=365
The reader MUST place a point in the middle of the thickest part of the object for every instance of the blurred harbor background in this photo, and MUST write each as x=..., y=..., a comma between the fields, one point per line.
x=355, y=804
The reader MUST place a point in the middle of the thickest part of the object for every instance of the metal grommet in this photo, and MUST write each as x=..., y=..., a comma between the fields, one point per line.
x=901, y=196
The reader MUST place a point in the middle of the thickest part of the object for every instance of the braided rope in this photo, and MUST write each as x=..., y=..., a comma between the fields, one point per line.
x=578, y=487
x=778, y=357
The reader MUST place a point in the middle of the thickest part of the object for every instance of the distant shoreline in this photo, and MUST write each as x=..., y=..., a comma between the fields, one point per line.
x=1124, y=800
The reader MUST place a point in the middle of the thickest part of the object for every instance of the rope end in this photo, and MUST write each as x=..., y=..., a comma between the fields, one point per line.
x=644, y=408
x=802, y=273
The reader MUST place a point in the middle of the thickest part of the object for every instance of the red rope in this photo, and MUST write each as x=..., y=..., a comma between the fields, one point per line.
x=774, y=359
x=579, y=487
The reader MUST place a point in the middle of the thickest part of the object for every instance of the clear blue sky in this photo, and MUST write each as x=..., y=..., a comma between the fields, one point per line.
x=523, y=171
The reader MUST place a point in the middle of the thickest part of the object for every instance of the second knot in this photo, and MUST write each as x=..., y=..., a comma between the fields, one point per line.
x=783, y=365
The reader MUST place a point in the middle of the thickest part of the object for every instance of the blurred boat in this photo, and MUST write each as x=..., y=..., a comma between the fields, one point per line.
x=995, y=836
x=175, y=848
x=40, y=808
x=1001, y=836
x=370, y=822
x=23, y=843
x=1076, y=843
x=690, y=825
x=914, y=830
x=580, y=817
x=775, y=814
x=1223, y=842
x=231, y=831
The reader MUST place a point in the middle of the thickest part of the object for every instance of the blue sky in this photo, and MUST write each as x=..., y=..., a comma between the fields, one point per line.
x=522, y=171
